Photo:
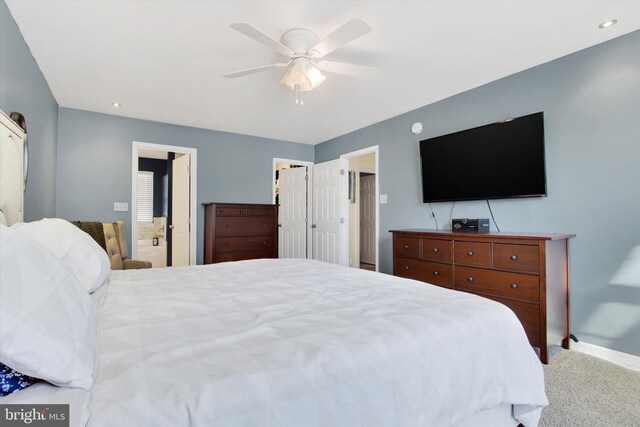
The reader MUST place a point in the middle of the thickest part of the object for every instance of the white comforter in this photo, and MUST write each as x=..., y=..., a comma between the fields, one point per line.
x=304, y=343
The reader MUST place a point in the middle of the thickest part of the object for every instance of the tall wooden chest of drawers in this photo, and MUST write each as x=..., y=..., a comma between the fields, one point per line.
x=528, y=273
x=238, y=231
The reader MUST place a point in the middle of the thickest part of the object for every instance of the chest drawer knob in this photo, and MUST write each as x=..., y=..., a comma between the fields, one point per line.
x=226, y=244
x=228, y=226
x=220, y=210
x=436, y=273
x=470, y=253
x=435, y=250
x=514, y=285
x=241, y=211
x=514, y=257
x=406, y=246
x=264, y=243
x=264, y=225
x=470, y=279
x=406, y=267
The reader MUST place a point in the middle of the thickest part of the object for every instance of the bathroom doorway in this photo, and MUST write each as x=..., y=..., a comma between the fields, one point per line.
x=163, y=214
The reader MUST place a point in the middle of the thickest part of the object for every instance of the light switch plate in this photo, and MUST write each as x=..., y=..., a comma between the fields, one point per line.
x=383, y=199
x=120, y=206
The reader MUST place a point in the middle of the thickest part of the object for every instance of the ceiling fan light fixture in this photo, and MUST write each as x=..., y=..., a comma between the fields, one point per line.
x=303, y=75
x=315, y=77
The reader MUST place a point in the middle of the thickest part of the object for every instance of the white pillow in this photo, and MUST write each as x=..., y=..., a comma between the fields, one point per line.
x=48, y=323
x=75, y=248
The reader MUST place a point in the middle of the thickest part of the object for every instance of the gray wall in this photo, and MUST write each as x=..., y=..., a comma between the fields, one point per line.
x=24, y=89
x=94, y=164
x=591, y=102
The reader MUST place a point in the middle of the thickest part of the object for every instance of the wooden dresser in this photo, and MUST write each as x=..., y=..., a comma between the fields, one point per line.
x=529, y=273
x=238, y=231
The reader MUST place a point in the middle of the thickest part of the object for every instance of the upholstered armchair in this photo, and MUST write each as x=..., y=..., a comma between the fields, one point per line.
x=111, y=236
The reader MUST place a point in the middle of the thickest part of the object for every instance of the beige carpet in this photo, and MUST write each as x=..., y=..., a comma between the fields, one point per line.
x=587, y=391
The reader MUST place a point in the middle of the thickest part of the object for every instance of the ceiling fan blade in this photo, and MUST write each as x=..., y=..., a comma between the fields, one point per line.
x=346, y=69
x=350, y=31
x=254, y=70
x=251, y=31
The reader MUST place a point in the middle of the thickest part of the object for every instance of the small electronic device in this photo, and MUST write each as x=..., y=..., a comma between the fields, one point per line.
x=470, y=225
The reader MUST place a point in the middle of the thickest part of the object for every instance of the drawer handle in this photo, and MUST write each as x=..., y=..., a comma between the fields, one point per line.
x=514, y=285
x=270, y=211
x=227, y=226
x=241, y=210
x=264, y=225
x=406, y=267
x=470, y=279
x=436, y=273
x=470, y=253
x=220, y=210
x=226, y=244
x=406, y=246
x=435, y=250
x=514, y=257
x=264, y=243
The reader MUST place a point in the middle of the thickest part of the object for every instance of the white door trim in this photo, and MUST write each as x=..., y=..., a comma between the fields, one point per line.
x=309, y=166
x=193, y=152
x=373, y=149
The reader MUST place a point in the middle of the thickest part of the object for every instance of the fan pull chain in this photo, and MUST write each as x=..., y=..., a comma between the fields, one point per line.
x=299, y=100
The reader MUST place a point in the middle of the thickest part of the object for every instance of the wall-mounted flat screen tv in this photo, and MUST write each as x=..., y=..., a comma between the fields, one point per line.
x=495, y=161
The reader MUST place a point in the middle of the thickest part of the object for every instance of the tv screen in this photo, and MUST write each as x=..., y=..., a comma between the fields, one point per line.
x=495, y=161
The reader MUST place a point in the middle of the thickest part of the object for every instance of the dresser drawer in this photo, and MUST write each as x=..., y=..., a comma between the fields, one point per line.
x=261, y=212
x=231, y=211
x=436, y=250
x=473, y=253
x=242, y=244
x=406, y=247
x=239, y=256
x=247, y=226
x=529, y=316
x=425, y=271
x=516, y=257
x=511, y=285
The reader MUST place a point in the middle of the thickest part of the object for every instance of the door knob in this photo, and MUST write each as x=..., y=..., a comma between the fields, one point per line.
x=171, y=226
x=313, y=226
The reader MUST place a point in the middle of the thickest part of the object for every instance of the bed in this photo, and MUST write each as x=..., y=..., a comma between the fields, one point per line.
x=304, y=343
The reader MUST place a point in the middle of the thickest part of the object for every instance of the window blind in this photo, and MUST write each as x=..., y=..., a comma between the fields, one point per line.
x=145, y=196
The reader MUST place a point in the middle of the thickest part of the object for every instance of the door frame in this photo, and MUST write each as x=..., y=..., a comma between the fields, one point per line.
x=348, y=156
x=309, y=166
x=193, y=211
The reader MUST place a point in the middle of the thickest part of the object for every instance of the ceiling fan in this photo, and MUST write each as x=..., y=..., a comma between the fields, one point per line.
x=303, y=47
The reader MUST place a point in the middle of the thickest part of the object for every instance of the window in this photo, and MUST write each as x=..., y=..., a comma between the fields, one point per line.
x=145, y=196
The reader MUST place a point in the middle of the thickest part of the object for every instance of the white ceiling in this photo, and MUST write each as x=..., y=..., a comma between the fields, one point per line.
x=163, y=60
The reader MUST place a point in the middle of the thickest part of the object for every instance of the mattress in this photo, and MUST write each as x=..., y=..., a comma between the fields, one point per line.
x=304, y=343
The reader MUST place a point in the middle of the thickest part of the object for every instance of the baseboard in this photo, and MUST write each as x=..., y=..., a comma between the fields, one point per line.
x=618, y=357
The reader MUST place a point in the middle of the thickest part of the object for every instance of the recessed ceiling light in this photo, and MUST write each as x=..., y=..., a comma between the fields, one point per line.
x=116, y=104
x=609, y=23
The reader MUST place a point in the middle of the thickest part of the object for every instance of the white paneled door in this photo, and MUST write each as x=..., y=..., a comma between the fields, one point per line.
x=367, y=219
x=292, y=213
x=180, y=211
x=329, y=228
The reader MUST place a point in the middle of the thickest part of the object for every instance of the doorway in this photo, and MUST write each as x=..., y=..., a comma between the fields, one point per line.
x=291, y=193
x=163, y=226
x=363, y=208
